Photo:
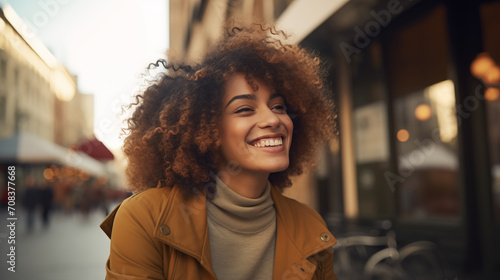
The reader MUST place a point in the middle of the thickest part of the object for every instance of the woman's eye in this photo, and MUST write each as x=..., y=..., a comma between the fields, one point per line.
x=279, y=108
x=244, y=109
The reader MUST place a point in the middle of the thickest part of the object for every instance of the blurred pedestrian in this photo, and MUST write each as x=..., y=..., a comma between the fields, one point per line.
x=46, y=200
x=30, y=201
x=68, y=195
x=83, y=199
x=100, y=197
x=4, y=201
x=210, y=149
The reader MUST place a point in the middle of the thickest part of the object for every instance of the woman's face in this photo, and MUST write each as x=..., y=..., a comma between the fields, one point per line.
x=256, y=131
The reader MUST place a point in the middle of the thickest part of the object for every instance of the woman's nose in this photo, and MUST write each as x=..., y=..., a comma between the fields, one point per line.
x=268, y=119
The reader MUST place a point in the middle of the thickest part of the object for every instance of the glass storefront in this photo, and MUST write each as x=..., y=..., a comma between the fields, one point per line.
x=424, y=120
x=424, y=142
x=426, y=133
x=371, y=135
x=490, y=76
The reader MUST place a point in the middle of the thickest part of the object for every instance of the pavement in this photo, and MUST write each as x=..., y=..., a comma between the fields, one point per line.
x=73, y=247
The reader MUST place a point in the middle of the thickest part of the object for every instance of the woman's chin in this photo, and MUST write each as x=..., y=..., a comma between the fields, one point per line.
x=277, y=168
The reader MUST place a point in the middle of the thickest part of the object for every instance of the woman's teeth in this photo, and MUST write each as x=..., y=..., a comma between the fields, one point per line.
x=269, y=143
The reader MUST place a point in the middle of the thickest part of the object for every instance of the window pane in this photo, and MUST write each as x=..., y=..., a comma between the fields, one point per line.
x=493, y=111
x=424, y=121
x=426, y=133
x=3, y=109
x=3, y=69
x=371, y=134
x=491, y=25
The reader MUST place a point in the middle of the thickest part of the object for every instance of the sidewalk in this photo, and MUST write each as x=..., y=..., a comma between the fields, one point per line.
x=73, y=247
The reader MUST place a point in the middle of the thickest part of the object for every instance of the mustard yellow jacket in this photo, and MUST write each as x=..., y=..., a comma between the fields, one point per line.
x=159, y=234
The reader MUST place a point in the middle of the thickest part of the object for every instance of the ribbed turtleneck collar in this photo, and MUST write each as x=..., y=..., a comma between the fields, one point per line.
x=241, y=214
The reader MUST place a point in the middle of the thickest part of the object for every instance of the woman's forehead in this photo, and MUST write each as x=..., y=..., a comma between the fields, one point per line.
x=241, y=83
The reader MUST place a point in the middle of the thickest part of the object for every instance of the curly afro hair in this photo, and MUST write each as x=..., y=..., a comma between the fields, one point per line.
x=172, y=136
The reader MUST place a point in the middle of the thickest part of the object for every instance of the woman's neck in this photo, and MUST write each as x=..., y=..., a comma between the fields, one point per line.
x=247, y=184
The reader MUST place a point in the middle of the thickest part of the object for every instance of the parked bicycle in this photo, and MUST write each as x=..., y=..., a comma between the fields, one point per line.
x=366, y=257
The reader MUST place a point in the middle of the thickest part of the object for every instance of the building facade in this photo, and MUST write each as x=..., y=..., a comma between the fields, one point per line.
x=26, y=93
x=37, y=94
x=40, y=105
x=416, y=85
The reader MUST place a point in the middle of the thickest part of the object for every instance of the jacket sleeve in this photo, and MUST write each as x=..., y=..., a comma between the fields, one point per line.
x=134, y=252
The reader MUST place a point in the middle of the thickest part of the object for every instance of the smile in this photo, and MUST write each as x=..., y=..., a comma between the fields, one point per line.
x=268, y=142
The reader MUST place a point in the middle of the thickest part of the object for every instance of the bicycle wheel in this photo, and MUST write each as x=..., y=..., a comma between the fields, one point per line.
x=384, y=265
x=420, y=261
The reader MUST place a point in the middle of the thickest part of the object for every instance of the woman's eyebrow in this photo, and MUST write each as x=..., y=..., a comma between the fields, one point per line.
x=243, y=96
x=276, y=95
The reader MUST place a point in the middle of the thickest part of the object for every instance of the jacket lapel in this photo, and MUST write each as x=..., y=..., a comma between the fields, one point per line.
x=186, y=219
x=298, y=238
x=298, y=233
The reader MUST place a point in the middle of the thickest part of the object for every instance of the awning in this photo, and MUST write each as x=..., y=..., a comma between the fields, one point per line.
x=27, y=148
x=304, y=16
x=95, y=149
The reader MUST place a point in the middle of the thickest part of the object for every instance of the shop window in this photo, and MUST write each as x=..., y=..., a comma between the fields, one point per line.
x=427, y=162
x=16, y=80
x=493, y=113
x=3, y=69
x=371, y=134
x=3, y=109
x=491, y=80
x=424, y=134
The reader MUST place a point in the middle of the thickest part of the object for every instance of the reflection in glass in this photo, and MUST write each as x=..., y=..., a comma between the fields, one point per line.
x=423, y=112
x=493, y=113
x=489, y=75
x=491, y=94
x=403, y=135
x=427, y=160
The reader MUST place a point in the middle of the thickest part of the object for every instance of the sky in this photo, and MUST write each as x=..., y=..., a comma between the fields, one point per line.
x=106, y=43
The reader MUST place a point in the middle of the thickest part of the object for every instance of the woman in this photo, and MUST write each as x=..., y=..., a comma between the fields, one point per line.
x=210, y=149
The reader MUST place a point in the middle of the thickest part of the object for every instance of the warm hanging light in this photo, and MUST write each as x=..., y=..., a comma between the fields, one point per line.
x=423, y=112
x=485, y=69
x=492, y=75
x=403, y=135
x=48, y=174
x=481, y=65
x=492, y=94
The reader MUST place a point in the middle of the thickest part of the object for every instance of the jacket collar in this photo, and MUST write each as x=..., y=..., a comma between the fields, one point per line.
x=300, y=234
x=186, y=219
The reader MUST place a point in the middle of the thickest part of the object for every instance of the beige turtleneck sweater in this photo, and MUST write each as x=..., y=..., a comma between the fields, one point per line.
x=242, y=233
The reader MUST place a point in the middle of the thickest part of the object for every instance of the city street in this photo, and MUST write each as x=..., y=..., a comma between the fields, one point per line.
x=73, y=247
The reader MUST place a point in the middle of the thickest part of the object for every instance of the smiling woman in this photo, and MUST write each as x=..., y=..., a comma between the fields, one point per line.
x=210, y=147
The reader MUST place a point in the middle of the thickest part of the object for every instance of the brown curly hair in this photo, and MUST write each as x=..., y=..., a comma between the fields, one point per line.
x=173, y=136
